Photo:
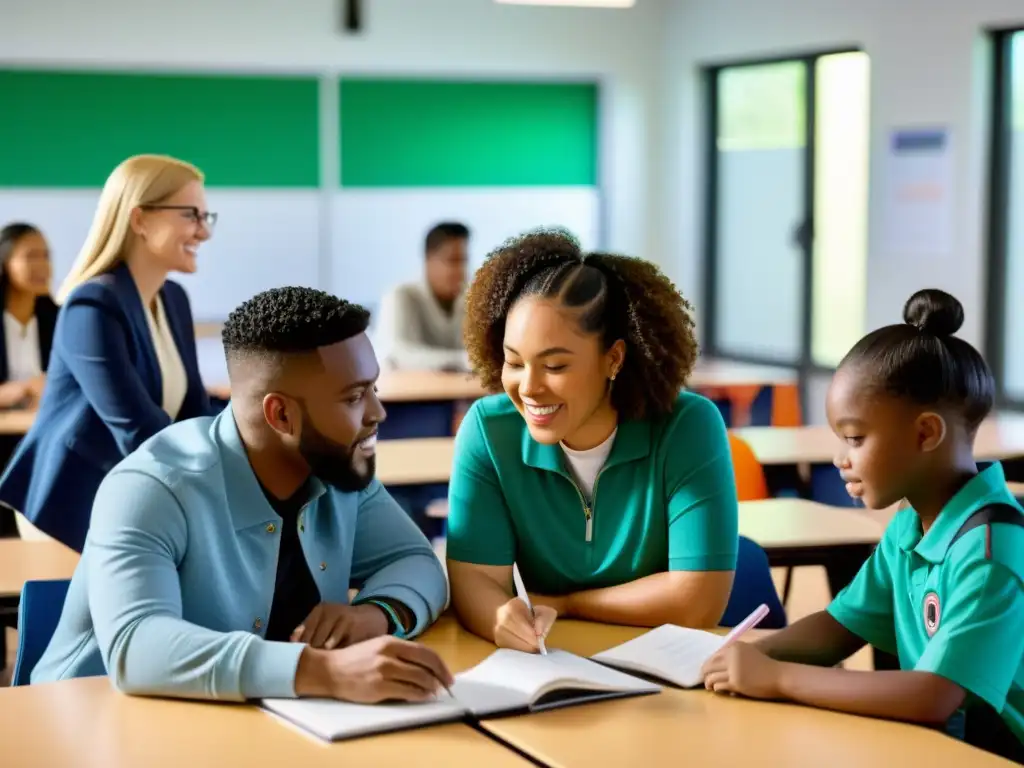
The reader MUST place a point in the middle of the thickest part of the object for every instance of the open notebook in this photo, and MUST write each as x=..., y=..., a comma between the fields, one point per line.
x=670, y=653
x=506, y=682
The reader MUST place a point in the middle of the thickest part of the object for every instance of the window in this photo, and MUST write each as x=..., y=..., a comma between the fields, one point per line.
x=786, y=230
x=1004, y=345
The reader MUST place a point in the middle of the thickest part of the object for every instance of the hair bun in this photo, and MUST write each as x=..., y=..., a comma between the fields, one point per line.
x=933, y=311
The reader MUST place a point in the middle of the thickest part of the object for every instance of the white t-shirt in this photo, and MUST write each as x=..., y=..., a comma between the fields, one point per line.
x=586, y=465
x=23, y=358
x=172, y=370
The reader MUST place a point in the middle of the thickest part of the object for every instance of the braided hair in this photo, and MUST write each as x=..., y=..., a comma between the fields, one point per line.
x=615, y=297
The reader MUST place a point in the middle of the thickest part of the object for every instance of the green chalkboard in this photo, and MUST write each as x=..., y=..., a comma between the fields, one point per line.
x=69, y=129
x=417, y=133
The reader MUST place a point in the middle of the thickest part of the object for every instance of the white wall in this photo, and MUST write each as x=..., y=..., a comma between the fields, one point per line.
x=929, y=65
x=424, y=37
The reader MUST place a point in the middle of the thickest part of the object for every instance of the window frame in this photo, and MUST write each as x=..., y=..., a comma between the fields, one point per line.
x=998, y=207
x=805, y=365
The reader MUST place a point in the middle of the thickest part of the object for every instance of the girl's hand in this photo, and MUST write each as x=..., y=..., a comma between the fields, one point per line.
x=741, y=668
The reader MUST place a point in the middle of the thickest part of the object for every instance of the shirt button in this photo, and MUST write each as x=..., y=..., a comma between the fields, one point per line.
x=258, y=623
x=323, y=566
x=271, y=528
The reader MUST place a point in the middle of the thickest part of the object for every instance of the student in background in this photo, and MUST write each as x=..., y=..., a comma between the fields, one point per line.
x=420, y=324
x=29, y=315
x=611, y=489
x=944, y=589
x=123, y=364
x=221, y=553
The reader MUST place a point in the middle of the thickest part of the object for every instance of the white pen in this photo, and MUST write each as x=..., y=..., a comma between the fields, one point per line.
x=525, y=597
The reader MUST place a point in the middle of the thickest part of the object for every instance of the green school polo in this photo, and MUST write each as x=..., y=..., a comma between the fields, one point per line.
x=665, y=500
x=954, y=611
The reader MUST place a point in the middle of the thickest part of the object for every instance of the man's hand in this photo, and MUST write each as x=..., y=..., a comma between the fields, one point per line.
x=741, y=668
x=331, y=625
x=381, y=669
x=514, y=627
x=34, y=389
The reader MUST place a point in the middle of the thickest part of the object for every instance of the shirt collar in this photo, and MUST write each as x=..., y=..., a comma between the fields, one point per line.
x=632, y=441
x=988, y=486
x=247, y=504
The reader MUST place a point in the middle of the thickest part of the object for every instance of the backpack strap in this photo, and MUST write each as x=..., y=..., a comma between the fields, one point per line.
x=990, y=513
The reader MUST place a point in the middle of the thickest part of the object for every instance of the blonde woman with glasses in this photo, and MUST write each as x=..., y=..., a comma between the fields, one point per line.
x=123, y=364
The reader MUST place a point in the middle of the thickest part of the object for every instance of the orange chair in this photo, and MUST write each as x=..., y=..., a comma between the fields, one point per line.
x=752, y=485
x=750, y=480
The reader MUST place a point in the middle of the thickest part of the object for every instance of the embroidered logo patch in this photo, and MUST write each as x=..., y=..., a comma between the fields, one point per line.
x=932, y=613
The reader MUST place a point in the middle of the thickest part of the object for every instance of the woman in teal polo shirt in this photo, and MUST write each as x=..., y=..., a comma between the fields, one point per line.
x=609, y=488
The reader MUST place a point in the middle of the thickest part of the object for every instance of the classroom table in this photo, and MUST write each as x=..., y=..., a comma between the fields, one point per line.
x=85, y=723
x=999, y=437
x=709, y=372
x=23, y=560
x=16, y=421
x=795, y=531
x=679, y=728
x=415, y=461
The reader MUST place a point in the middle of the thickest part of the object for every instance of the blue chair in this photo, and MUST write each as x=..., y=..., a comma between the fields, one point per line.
x=751, y=586
x=761, y=407
x=724, y=406
x=38, y=614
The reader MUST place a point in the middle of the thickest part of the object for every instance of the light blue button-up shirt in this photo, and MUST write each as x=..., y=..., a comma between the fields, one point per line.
x=175, y=584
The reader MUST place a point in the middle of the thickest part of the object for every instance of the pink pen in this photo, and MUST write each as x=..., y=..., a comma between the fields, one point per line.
x=748, y=623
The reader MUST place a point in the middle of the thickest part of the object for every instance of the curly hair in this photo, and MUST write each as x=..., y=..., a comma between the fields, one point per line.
x=290, y=320
x=617, y=297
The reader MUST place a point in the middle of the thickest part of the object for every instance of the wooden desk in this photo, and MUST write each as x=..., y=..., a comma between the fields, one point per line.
x=1017, y=489
x=21, y=561
x=726, y=373
x=415, y=461
x=16, y=422
x=786, y=524
x=678, y=727
x=422, y=386
x=999, y=437
x=85, y=723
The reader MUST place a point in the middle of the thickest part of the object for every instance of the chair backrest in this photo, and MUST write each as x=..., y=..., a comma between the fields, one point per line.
x=751, y=484
x=751, y=586
x=38, y=613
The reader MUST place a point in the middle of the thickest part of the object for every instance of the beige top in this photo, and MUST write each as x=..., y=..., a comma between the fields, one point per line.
x=414, y=332
x=24, y=360
x=172, y=370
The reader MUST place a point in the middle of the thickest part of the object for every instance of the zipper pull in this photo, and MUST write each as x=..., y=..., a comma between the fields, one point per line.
x=590, y=523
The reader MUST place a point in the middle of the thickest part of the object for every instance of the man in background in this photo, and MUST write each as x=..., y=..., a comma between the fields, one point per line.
x=419, y=325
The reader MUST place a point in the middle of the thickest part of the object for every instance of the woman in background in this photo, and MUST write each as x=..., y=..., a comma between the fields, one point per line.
x=123, y=364
x=29, y=315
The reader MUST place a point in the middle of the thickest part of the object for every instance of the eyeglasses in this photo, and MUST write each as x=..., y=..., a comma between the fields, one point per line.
x=193, y=214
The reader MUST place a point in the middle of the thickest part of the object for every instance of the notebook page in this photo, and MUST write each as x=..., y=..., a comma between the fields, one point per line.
x=512, y=679
x=334, y=720
x=672, y=653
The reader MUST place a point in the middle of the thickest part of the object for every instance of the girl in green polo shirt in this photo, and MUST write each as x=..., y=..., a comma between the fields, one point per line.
x=944, y=589
x=611, y=490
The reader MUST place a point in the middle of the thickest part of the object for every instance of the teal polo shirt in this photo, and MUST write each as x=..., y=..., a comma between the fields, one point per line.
x=954, y=611
x=665, y=499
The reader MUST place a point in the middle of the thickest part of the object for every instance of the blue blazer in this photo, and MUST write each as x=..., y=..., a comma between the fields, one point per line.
x=46, y=319
x=101, y=401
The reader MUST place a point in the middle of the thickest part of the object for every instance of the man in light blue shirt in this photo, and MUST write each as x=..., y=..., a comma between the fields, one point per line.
x=221, y=553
